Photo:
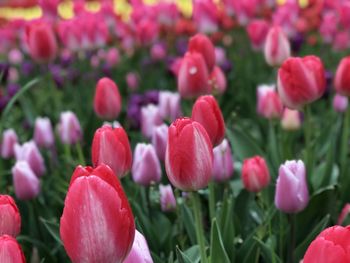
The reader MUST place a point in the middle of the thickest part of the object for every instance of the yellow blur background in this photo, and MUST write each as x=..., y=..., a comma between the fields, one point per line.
x=121, y=7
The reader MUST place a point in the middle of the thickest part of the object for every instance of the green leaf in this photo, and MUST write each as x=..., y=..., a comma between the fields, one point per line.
x=267, y=252
x=52, y=228
x=188, y=223
x=217, y=250
x=181, y=257
x=243, y=145
x=301, y=248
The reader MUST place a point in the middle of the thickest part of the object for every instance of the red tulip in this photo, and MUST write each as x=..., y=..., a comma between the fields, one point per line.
x=277, y=46
x=206, y=111
x=10, y=250
x=342, y=77
x=97, y=224
x=202, y=44
x=331, y=245
x=111, y=146
x=10, y=219
x=107, y=101
x=255, y=174
x=192, y=79
x=301, y=81
x=189, y=155
x=41, y=41
x=257, y=31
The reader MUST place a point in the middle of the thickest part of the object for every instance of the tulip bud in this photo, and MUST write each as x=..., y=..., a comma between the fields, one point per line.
x=206, y=111
x=292, y=194
x=218, y=80
x=277, y=47
x=30, y=153
x=257, y=31
x=10, y=250
x=25, y=182
x=255, y=174
x=344, y=214
x=132, y=80
x=192, y=78
x=331, y=245
x=107, y=101
x=10, y=219
x=139, y=252
x=146, y=167
x=189, y=155
x=9, y=139
x=41, y=41
x=269, y=103
x=342, y=78
x=291, y=120
x=43, y=133
x=160, y=140
x=69, y=129
x=169, y=105
x=111, y=146
x=150, y=119
x=97, y=224
x=301, y=81
x=340, y=103
x=167, y=198
x=223, y=163
x=202, y=44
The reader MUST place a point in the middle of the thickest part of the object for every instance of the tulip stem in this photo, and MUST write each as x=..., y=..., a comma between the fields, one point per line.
x=308, y=146
x=344, y=146
x=292, y=237
x=211, y=200
x=199, y=226
x=80, y=154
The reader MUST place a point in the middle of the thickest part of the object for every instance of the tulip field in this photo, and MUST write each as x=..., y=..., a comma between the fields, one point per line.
x=175, y=131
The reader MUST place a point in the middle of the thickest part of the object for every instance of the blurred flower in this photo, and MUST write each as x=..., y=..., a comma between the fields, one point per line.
x=69, y=129
x=12, y=89
x=132, y=80
x=257, y=31
x=9, y=139
x=202, y=44
x=15, y=57
x=269, y=104
x=169, y=105
x=223, y=162
x=43, y=133
x=342, y=79
x=158, y=51
x=291, y=119
x=30, y=153
x=277, y=47
x=255, y=174
x=340, y=103
x=292, y=194
x=218, y=81
x=160, y=140
x=10, y=218
x=167, y=198
x=343, y=214
x=101, y=234
x=139, y=252
x=150, y=119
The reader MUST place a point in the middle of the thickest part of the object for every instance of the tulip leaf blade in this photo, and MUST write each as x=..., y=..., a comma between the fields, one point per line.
x=267, y=252
x=218, y=253
x=188, y=223
x=52, y=228
x=182, y=257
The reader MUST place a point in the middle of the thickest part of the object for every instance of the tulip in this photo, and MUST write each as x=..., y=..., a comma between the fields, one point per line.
x=97, y=224
x=169, y=105
x=160, y=140
x=69, y=129
x=167, y=198
x=189, y=155
x=146, y=166
x=331, y=245
x=291, y=120
x=255, y=174
x=292, y=194
x=158, y=52
x=112, y=57
x=344, y=214
x=139, y=252
x=25, y=182
x=223, y=163
x=150, y=119
x=43, y=133
x=10, y=250
x=202, y=44
x=257, y=31
x=342, y=78
x=111, y=146
x=340, y=103
x=10, y=219
x=206, y=111
x=107, y=101
x=30, y=153
x=218, y=80
x=269, y=103
x=15, y=57
x=41, y=41
x=277, y=47
x=9, y=139
x=301, y=81
x=192, y=78
x=132, y=80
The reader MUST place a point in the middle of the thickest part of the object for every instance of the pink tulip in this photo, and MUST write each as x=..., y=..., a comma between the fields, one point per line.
x=205, y=15
x=160, y=140
x=257, y=31
x=10, y=218
x=139, y=252
x=10, y=250
x=169, y=105
x=9, y=139
x=25, y=182
x=291, y=119
x=269, y=104
x=30, y=153
x=218, y=80
x=277, y=47
x=150, y=119
x=167, y=198
x=43, y=133
x=255, y=174
x=69, y=129
x=202, y=44
x=146, y=166
x=132, y=80
x=340, y=103
x=223, y=163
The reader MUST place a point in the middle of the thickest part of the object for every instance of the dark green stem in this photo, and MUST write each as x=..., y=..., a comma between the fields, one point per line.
x=211, y=200
x=292, y=238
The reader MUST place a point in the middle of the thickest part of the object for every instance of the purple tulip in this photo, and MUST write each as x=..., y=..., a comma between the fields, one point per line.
x=9, y=139
x=69, y=129
x=167, y=198
x=160, y=140
x=292, y=194
x=223, y=163
x=146, y=166
x=30, y=153
x=43, y=133
x=139, y=252
x=26, y=184
x=169, y=105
